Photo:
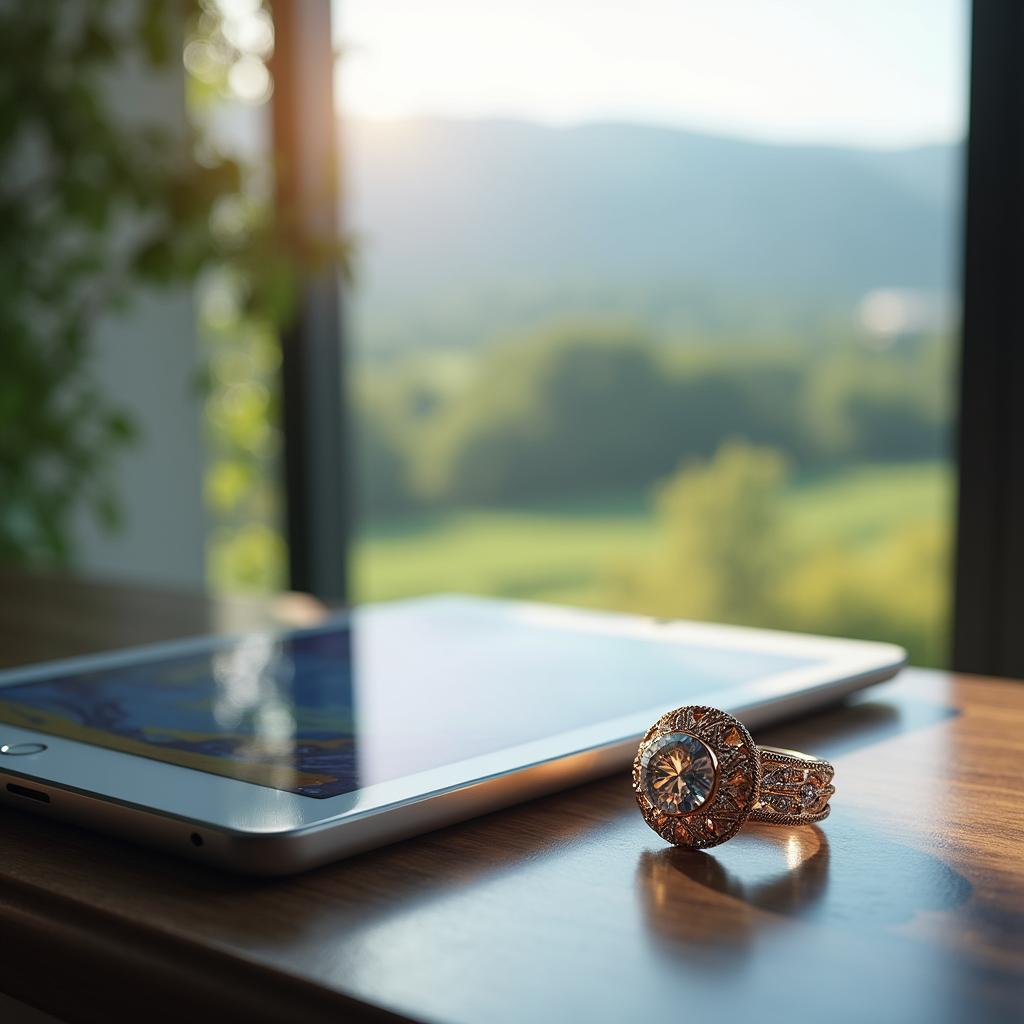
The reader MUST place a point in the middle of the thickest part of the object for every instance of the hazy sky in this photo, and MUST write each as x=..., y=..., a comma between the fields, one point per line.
x=860, y=72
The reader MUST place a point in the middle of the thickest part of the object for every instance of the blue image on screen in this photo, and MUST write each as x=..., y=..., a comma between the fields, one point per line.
x=261, y=709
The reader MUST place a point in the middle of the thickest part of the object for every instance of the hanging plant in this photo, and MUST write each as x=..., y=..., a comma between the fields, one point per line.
x=95, y=205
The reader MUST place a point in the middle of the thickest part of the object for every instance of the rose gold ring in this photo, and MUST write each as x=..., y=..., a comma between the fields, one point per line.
x=698, y=777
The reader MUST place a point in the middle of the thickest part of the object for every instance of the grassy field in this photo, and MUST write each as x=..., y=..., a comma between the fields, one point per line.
x=562, y=553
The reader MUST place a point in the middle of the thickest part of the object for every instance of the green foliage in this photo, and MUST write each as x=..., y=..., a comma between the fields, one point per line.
x=246, y=294
x=545, y=417
x=862, y=552
x=724, y=551
x=766, y=464
x=546, y=552
x=382, y=465
x=394, y=411
x=730, y=552
x=898, y=590
x=243, y=357
x=96, y=204
x=249, y=557
x=893, y=405
x=586, y=409
x=90, y=207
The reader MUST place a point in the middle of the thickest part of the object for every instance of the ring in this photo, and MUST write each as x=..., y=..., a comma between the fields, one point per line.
x=698, y=777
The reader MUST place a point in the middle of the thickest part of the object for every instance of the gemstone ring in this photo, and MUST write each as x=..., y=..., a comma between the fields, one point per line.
x=698, y=777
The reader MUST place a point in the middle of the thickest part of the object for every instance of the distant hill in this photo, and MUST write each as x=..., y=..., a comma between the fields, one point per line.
x=471, y=228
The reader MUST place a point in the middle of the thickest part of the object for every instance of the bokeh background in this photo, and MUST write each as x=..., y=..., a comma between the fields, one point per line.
x=649, y=307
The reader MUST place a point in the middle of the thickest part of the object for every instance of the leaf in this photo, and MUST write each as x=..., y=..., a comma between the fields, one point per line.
x=121, y=427
x=108, y=510
x=155, y=31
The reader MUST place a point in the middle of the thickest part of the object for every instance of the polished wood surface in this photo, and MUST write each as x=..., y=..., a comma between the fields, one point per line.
x=906, y=905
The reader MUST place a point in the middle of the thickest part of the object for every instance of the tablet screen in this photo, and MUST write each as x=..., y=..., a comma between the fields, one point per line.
x=401, y=689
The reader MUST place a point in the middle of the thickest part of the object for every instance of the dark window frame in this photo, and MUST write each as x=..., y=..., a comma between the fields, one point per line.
x=317, y=521
x=988, y=615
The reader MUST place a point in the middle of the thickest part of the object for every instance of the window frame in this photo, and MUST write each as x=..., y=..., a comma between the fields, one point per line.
x=988, y=611
x=314, y=421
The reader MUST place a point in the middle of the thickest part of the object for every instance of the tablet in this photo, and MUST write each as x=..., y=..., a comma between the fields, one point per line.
x=274, y=752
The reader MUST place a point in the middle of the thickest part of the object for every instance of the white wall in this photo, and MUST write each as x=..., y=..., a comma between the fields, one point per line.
x=148, y=360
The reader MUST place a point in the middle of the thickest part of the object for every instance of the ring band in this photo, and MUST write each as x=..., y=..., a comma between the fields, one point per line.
x=698, y=777
x=795, y=788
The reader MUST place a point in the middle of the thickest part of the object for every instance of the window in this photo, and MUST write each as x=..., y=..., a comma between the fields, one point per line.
x=655, y=306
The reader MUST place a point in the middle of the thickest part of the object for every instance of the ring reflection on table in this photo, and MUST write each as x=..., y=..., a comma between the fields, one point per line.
x=681, y=891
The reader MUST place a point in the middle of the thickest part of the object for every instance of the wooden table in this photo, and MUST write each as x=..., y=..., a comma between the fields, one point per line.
x=906, y=905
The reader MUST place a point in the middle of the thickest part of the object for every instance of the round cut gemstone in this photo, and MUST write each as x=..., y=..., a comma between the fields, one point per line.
x=679, y=772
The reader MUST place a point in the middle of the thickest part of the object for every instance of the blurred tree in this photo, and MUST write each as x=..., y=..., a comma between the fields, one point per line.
x=559, y=413
x=873, y=406
x=588, y=409
x=723, y=550
x=727, y=553
x=897, y=591
x=382, y=466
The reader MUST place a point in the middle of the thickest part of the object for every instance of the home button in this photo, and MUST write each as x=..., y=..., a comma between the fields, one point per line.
x=19, y=749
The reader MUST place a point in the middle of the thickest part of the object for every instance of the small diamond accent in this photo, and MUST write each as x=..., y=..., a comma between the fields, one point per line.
x=808, y=794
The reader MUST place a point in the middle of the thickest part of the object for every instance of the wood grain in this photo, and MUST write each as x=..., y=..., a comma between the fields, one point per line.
x=906, y=904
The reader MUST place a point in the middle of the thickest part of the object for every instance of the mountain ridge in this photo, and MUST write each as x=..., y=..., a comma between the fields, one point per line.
x=450, y=211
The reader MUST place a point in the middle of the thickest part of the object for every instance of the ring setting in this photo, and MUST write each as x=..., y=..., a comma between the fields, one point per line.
x=699, y=777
